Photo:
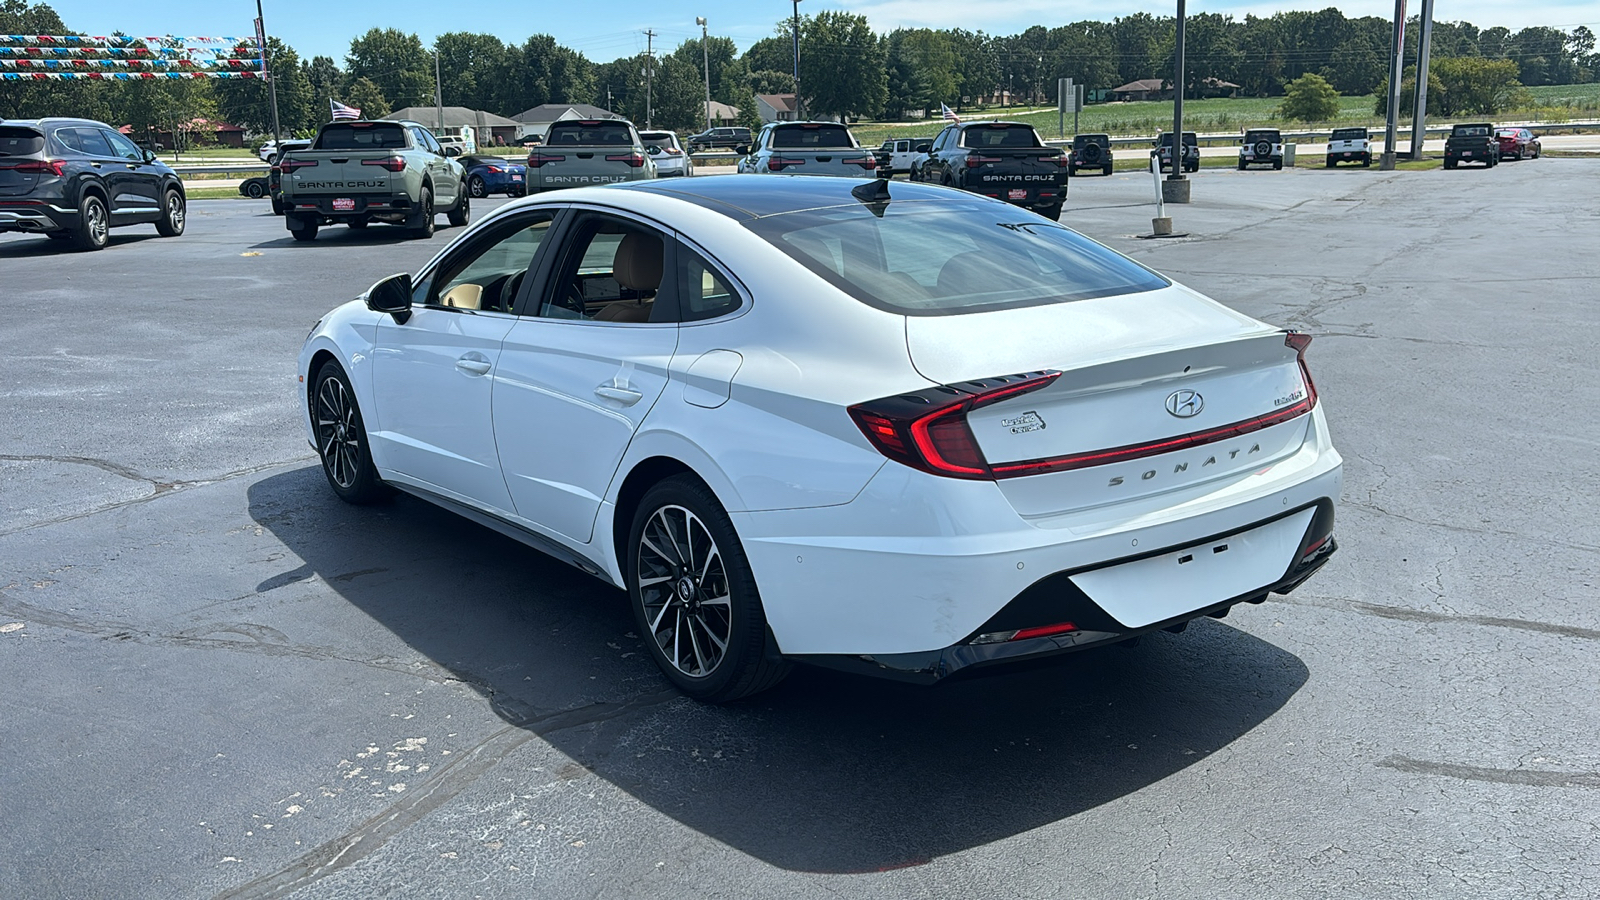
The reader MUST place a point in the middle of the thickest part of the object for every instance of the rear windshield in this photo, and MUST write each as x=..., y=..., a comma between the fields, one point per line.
x=361, y=136
x=926, y=258
x=20, y=141
x=590, y=133
x=1261, y=136
x=1349, y=134
x=663, y=142
x=1472, y=131
x=989, y=136
x=1188, y=138
x=812, y=137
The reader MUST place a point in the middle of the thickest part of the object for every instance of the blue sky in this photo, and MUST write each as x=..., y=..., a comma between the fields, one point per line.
x=604, y=31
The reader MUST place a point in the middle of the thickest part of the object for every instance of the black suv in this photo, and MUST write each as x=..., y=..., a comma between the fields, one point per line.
x=75, y=179
x=1191, y=151
x=720, y=137
x=1090, y=151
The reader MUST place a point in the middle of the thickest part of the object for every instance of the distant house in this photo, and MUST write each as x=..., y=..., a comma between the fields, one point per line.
x=198, y=132
x=1161, y=89
x=537, y=121
x=775, y=107
x=486, y=126
x=722, y=113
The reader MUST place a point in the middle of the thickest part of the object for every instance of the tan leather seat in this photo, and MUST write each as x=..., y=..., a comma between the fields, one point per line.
x=463, y=296
x=637, y=268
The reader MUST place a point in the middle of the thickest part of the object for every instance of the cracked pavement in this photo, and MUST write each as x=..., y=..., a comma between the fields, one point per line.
x=223, y=683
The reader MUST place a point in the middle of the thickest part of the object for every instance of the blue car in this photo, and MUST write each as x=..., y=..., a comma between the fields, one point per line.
x=494, y=175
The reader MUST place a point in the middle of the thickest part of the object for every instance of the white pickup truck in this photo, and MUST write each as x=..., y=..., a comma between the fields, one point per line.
x=901, y=154
x=1349, y=145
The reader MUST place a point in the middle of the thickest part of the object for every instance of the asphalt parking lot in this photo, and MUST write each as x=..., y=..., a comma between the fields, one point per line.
x=222, y=682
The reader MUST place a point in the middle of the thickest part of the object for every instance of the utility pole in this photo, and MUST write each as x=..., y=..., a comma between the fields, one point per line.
x=1419, y=108
x=272, y=83
x=705, y=53
x=649, y=73
x=797, y=113
x=1176, y=189
x=438, y=94
x=1396, y=66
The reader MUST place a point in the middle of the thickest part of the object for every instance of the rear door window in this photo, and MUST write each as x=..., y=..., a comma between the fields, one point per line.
x=86, y=140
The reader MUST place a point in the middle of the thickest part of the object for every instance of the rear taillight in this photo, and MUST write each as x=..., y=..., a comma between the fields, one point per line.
x=634, y=160
x=392, y=163
x=39, y=167
x=289, y=165
x=868, y=163
x=779, y=163
x=1060, y=161
x=1298, y=342
x=496, y=170
x=975, y=161
x=928, y=430
x=536, y=159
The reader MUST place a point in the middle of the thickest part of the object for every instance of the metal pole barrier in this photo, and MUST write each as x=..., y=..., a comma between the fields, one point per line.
x=1396, y=67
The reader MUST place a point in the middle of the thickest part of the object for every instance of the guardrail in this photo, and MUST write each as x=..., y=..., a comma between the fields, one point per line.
x=1212, y=139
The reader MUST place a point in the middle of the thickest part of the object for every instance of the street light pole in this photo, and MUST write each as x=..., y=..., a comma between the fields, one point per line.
x=1396, y=64
x=1177, y=102
x=797, y=114
x=272, y=83
x=649, y=73
x=705, y=53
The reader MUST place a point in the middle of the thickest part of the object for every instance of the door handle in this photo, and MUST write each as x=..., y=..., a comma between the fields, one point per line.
x=95, y=164
x=622, y=395
x=133, y=165
x=473, y=366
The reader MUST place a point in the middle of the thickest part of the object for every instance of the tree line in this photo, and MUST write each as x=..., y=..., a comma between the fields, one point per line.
x=846, y=69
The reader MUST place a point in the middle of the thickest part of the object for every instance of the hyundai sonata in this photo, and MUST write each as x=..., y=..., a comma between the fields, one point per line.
x=888, y=427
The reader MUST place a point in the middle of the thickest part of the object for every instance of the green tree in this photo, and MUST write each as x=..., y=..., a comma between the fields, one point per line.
x=470, y=67
x=325, y=81
x=922, y=71
x=394, y=61
x=842, y=66
x=1310, y=98
x=248, y=103
x=365, y=95
x=773, y=54
x=1477, y=86
x=541, y=71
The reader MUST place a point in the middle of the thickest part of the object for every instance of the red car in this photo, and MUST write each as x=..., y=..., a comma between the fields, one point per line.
x=1517, y=143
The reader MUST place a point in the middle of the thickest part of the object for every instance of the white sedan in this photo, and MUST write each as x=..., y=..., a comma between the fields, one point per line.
x=889, y=427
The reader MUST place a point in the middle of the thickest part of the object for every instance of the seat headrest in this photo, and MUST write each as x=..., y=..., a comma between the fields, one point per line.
x=638, y=263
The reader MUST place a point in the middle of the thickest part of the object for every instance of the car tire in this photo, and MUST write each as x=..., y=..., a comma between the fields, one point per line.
x=1449, y=164
x=254, y=190
x=1242, y=164
x=174, y=214
x=358, y=224
x=1329, y=162
x=93, y=230
x=307, y=231
x=462, y=213
x=421, y=224
x=708, y=598
x=477, y=188
x=1366, y=162
x=1106, y=170
x=342, y=439
x=277, y=206
x=59, y=235
x=1053, y=213
x=1277, y=165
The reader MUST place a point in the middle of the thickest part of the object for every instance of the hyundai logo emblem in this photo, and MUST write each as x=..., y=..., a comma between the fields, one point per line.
x=1185, y=404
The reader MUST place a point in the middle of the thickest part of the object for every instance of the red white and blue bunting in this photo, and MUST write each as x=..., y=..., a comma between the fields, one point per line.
x=44, y=57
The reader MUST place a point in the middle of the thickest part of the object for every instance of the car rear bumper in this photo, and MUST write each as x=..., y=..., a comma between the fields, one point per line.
x=36, y=217
x=917, y=564
x=362, y=205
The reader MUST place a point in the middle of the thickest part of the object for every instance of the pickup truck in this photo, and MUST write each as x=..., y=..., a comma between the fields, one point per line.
x=1349, y=145
x=901, y=155
x=1004, y=160
x=587, y=152
x=1471, y=143
x=358, y=172
x=807, y=148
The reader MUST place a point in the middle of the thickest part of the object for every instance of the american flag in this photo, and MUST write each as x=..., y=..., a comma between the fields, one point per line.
x=340, y=111
x=949, y=114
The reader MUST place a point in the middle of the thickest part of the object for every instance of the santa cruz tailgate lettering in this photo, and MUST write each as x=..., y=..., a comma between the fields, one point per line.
x=338, y=185
x=1019, y=178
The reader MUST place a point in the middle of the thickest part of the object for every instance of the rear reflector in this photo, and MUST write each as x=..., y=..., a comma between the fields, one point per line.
x=1022, y=634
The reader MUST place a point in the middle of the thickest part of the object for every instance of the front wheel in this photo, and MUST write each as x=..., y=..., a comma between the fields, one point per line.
x=174, y=213
x=477, y=188
x=694, y=597
x=342, y=439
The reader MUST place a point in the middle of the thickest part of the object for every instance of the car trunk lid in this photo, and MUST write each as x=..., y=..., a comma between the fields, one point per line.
x=19, y=160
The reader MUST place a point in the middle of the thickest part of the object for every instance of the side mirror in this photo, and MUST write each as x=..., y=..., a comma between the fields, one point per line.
x=392, y=295
x=149, y=156
x=742, y=149
x=452, y=152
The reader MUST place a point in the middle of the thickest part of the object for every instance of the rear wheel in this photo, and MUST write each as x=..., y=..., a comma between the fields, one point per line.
x=1277, y=165
x=1331, y=162
x=254, y=190
x=94, y=224
x=358, y=224
x=462, y=213
x=342, y=439
x=1050, y=212
x=694, y=597
x=277, y=206
x=307, y=230
x=477, y=188
x=174, y=214
x=422, y=222
x=1106, y=170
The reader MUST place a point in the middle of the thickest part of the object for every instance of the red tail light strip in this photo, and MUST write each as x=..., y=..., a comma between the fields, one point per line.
x=39, y=167
x=392, y=163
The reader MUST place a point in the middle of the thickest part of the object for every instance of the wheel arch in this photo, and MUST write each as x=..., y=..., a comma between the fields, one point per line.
x=645, y=474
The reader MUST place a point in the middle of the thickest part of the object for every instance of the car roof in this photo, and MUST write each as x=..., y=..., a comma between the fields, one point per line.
x=53, y=120
x=747, y=197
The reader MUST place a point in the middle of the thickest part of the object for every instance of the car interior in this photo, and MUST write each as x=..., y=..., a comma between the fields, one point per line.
x=611, y=274
x=490, y=281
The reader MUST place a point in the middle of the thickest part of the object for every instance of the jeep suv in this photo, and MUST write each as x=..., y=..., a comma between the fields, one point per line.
x=1260, y=147
x=1190, y=154
x=712, y=138
x=1090, y=151
x=75, y=179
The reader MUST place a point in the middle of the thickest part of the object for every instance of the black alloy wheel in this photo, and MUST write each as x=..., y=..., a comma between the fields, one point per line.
x=174, y=215
x=1090, y=153
x=254, y=190
x=342, y=439
x=1263, y=148
x=462, y=213
x=422, y=224
x=694, y=597
x=477, y=188
x=94, y=224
